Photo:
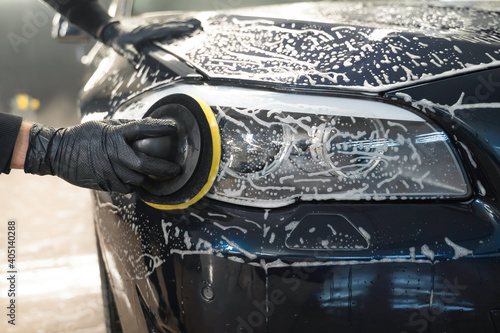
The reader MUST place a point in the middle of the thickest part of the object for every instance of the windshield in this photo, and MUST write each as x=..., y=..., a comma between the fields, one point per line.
x=146, y=6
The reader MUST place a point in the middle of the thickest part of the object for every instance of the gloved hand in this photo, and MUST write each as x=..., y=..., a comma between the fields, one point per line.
x=97, y=154
x=125, y=36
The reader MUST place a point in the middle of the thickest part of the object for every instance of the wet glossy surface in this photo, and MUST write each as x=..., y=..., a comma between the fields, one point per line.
x=58, y=277
x=401, y=266
x=468, y=113
x=363, y=46
x=182, y=269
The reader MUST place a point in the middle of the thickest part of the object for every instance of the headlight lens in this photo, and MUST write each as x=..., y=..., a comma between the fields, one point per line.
x=278, y=148
x=250, y=149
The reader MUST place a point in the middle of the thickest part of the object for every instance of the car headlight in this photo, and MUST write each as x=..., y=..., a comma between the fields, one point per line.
x=278, y=148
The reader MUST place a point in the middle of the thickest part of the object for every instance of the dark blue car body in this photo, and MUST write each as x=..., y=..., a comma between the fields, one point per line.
x=392, y=264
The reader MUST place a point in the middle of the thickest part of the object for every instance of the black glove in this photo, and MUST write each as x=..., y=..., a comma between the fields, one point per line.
x=97, y=154
x=126, y=36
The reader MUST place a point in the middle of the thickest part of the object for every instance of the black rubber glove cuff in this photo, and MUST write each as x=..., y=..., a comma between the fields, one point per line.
x=37, y=161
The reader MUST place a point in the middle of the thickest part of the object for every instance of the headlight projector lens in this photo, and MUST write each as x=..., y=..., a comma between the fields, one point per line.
x=196, y=147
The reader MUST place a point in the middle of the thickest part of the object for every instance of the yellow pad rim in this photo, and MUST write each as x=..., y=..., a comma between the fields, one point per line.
x=216, y=157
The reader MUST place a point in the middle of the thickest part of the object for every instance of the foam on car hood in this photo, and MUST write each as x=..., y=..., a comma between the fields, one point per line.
x=350, y=45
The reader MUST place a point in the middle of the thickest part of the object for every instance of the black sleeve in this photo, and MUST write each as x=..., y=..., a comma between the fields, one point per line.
x=9, y=129
x=87, y=14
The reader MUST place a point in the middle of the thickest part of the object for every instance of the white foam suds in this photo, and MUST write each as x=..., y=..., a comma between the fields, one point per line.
x=426, y=251
x=251, y=256
x=459, y=250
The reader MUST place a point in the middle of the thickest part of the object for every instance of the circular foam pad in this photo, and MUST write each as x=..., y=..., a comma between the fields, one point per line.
x=196, y=147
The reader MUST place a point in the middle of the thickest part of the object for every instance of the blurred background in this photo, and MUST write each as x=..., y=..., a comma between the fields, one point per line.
x=34, y=67
x=58, y=287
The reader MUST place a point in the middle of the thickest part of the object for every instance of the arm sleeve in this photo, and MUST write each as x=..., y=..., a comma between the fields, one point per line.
x=86, y=14
x=9, y=129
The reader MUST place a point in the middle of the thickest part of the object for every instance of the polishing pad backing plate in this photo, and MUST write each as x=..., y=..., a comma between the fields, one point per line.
x=198, y=152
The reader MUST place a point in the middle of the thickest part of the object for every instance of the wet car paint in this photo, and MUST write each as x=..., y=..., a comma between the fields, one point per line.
x=466, y=114
x=307, y=52
x=373, y=59
x=250, y=261
x=430, y=266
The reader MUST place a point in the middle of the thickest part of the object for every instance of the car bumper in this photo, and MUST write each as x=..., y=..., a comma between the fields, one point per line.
x=388, y=267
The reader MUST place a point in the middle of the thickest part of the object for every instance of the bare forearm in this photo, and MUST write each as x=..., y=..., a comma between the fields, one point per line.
x=21, y=146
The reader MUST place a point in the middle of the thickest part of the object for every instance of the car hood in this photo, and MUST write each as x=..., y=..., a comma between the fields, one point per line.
x=367, y=46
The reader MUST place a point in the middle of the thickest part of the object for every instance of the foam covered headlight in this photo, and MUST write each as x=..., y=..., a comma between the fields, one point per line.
x=279, y=148
x=251, y=149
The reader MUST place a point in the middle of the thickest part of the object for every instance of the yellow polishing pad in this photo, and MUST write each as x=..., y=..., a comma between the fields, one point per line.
x=198, y=153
